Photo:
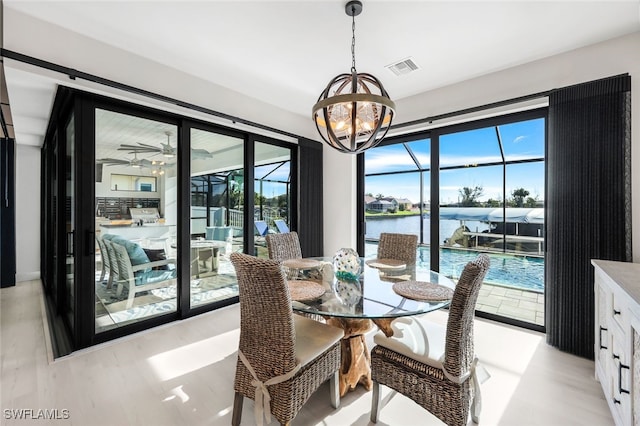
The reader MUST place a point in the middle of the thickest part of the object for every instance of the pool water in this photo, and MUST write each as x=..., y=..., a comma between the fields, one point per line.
x=519, y=272
x=525, y=273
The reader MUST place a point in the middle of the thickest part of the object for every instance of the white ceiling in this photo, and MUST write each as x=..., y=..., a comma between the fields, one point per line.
x=284, y=53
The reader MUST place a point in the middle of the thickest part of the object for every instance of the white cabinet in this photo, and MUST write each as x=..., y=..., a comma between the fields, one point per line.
x=617, y=337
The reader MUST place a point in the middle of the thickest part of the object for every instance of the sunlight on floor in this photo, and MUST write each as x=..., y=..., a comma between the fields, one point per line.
x=188, y=358
x=506, y=359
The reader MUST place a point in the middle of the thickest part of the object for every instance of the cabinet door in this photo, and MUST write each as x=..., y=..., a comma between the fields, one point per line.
x=620, y=371
x=602, y=340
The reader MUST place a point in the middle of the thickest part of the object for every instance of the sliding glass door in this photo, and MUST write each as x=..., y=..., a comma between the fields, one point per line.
x=272, y=189
x=217, y=212
x=136, y=218
x=141, y=211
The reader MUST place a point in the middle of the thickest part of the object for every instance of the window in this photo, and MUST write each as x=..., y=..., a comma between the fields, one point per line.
x=490, y=198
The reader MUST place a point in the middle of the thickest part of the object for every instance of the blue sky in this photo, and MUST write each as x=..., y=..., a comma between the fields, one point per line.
x=522, y=140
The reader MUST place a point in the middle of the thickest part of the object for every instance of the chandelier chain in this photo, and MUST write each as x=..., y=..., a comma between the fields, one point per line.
x=353, y=43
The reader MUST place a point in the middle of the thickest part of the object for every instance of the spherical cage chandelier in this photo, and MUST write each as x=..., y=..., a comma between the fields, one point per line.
x=354, y=112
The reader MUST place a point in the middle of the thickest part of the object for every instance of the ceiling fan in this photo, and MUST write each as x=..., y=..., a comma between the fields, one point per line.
x=134, y=162
x=166, y=150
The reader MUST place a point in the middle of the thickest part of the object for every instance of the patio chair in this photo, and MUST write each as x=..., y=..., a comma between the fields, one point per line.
x=261, y=228
x=435, y=366
x=140, y=277
x=282, y=226
x=113, y=263
x=104, y=261
x=282, y=358
x=402, y=247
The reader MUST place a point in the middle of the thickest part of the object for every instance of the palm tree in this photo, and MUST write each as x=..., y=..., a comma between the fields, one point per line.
x=469, y=196
x=519, y=196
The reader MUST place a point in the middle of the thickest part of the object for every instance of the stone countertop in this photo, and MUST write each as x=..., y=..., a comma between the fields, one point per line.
x=625, y=274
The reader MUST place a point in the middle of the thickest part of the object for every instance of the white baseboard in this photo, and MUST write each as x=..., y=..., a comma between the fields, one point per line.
x=27, y=276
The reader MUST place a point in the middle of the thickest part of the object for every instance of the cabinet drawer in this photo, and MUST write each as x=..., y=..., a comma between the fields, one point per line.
x=619, y=309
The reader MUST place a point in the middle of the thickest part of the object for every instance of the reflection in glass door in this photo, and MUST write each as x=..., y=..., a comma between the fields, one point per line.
x=136, y=219
x=217, y=215
x=70, y=223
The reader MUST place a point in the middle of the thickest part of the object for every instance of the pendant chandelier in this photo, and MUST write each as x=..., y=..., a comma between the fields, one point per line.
x=353, y=112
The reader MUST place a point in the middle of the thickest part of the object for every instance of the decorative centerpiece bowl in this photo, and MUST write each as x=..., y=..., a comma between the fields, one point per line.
x=348, y=292
x=346, y=264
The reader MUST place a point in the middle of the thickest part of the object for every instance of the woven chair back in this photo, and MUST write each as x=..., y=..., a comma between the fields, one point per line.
x=459, y=350
x=399, y=247
x=267, y=334
x=284, y=246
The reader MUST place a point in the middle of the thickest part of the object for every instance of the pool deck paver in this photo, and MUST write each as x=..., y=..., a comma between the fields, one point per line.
x=517, y=304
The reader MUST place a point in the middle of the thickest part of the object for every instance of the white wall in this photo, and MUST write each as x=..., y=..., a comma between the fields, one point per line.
x=618, y=56
x=27, y=213
x=340, y=200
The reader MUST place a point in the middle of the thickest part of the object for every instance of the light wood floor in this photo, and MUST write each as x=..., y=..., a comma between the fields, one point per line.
x=182, y=374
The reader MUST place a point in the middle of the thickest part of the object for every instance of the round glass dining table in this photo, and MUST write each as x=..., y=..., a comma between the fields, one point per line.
x=354, y=305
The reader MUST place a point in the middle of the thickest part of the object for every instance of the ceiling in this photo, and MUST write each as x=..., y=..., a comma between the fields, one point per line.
x=284, y=53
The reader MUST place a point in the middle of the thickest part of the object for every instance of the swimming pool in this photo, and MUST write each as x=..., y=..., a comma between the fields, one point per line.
x=519, y=272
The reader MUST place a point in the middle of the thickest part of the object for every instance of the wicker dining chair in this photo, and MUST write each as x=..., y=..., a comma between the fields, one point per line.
x=402, y=247
x=432, y=364
x=284, y=246
x=281, y=356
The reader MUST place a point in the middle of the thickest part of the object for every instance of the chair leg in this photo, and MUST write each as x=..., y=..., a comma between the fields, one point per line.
x=237, y=409
x=130, y=297
x=375, y=402
x=334, y=390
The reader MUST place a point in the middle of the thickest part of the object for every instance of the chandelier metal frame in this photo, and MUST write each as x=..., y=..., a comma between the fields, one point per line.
x=359, y=119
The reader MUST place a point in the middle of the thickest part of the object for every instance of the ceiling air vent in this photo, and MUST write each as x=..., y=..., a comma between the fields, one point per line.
x=403, y=67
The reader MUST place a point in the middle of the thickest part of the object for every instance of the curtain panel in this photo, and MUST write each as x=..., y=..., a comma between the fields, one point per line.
x=310, y=216
x=588, y=202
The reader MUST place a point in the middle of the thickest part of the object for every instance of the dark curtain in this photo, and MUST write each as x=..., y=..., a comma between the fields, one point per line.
x=310, y=217
x=588, y=202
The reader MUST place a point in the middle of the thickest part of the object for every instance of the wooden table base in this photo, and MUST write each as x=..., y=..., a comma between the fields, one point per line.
x=356, y=359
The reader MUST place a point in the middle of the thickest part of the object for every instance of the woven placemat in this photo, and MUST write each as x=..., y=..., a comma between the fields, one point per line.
x=386, y=263
x=302, y=290
x=301, y=263
x=423, y=291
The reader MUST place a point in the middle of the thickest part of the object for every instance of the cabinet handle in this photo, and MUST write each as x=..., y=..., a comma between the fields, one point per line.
x=600, y=335
x=616, y=312
x=616, y=401
x=615, y=356
x=620, y=367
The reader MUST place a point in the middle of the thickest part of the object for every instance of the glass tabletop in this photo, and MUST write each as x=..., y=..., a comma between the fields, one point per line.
x=371, y=296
